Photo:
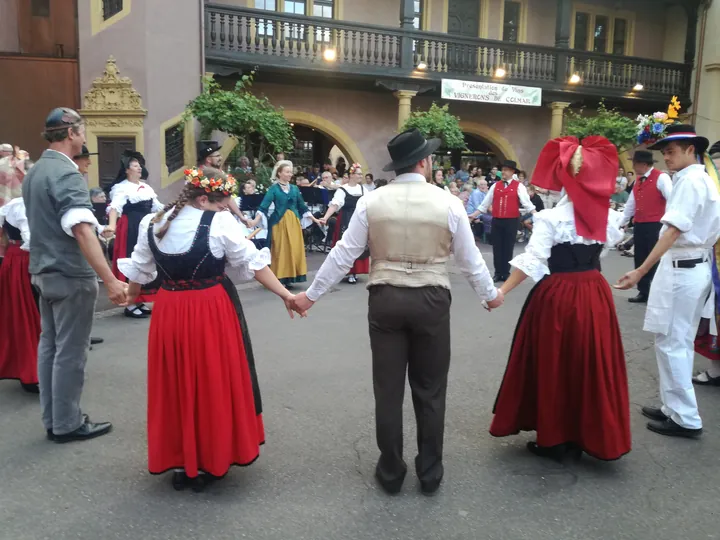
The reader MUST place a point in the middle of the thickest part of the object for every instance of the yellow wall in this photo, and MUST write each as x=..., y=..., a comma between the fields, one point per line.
x=675, y=33
x=707, y=107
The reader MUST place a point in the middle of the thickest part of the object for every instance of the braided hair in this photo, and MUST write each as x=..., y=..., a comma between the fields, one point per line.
x=187, y=195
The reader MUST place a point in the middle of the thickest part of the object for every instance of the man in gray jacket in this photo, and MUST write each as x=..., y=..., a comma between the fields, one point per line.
x=65, y=260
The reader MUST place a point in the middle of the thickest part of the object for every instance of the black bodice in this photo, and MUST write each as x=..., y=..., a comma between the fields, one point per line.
x=141, y=207
x=569, y=257
x=352, y=200
x=12, y=232
x=197, y=268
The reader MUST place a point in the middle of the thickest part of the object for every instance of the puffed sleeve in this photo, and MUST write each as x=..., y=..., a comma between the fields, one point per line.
x=157, y=205
x=534, y=261
x=140, y=267
x=339, y=198
x=118, y=200
x=227, y=239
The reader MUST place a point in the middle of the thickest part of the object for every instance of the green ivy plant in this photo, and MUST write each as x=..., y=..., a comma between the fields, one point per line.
x=611, y=124
x=260, y=128
x=438, y=123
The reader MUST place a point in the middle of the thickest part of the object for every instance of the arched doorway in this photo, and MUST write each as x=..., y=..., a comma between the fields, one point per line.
x=479, y=153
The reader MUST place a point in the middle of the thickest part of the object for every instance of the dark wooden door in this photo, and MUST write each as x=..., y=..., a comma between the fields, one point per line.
x=110, y=149
x=463, y=20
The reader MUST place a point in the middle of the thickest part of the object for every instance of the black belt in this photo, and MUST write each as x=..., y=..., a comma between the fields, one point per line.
x=688, y=263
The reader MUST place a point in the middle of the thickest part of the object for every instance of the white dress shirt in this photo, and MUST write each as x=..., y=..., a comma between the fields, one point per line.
x=526, y=205
x=557, y=226
x=226, y=240
x=339, y=197
x=355, y=240
x=664, y=186
x=14, y=213
x=130, y=192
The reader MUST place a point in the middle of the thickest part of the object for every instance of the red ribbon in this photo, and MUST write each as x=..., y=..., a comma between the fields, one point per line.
x=591, y=189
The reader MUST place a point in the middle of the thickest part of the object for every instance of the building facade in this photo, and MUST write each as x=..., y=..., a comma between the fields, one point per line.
x=348, y=72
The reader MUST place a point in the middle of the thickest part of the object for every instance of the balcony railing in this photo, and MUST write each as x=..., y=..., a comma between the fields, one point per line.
x=241, y=35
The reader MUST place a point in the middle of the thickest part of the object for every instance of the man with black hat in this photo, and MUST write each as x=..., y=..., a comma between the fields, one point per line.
x=507, y=197
x=411, y=228
x=646, y=205
x=691, y=227
x=65, y=260
x=208, y=154
x=82, y=160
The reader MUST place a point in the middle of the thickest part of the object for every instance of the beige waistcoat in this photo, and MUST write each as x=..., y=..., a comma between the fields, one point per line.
x=408, y=235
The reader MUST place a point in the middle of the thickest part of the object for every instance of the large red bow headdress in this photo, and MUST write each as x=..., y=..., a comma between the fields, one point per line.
x=587, y=172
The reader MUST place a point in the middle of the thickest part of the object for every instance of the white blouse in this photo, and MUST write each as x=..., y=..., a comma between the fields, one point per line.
x=557, y=226
x=339, y=197
x=226, y=240
x=14, y=213
x=130, y=192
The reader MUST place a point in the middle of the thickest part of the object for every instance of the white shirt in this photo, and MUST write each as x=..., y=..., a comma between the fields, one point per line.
x=621, y=181
x=355, y=240
x=369, y=187
x=664, y=186
x=557, y=226
x=130, y=192
x=226, y=240
x=263, y=225
x=526, y=205
x=694, y=209
x=71, y=160
x=14, y=213
x=339, y=197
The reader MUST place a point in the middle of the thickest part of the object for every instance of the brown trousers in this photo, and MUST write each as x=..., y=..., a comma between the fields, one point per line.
x=410, y=330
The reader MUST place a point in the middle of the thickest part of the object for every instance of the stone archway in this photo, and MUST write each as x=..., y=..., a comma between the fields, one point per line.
x=492, y=137
x=112, y=109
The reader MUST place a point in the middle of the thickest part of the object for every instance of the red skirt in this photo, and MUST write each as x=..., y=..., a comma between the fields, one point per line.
x=19, y=317
x=360, y=266
x=566, y=377
x=120, y=251
x=201, y=407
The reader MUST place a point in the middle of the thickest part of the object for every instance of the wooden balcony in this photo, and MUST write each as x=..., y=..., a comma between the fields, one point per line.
x=242, y=37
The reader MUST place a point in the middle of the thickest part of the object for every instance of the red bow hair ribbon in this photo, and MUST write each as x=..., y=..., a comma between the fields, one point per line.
x=590, y=187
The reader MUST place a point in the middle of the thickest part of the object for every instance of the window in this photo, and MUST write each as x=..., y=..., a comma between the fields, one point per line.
x=302, y=155
x=511, y=22
x=323, y=8
x=582, y=23
x=40, y=8
x=265, y=26
x=295, y=6
x=620, y=36
x=269, y=5
x=174, y=148
x=417, y=21
x=111, y=7
x=600, y=35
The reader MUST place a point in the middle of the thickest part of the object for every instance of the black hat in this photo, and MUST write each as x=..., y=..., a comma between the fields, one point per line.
x=408, y=148
x=85, y=153
x=643, y=156
x=510, y=164
x=682, y=132
x=206, y=148
x=62, y=118
x=125, y=159
x=715, y=149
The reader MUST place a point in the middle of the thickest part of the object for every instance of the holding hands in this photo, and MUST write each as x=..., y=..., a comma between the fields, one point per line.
x=292, y=307
x=494, y=304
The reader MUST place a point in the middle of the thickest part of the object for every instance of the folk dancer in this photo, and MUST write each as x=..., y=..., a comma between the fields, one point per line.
x=65, y=261
x=411, y=228
x=131, y=199
x=18, y=306
x=646, y=207
x=507, y=198
x=566, y=376
x=204, y=407
x=345, y=202
x=691, y=227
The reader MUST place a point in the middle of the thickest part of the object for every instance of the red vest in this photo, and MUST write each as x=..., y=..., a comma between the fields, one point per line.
x=649, y=202
x=506, y=203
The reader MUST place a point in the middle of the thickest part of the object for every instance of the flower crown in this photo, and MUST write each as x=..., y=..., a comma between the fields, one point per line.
x=355, y=167
x=651, y=128
x=197, y=179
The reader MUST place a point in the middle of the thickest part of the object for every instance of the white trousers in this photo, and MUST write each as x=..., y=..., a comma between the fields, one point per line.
x=675, y=352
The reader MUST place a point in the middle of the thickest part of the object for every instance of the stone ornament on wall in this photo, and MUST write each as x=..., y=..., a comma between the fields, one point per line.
x=113, y=94
x=113, y=122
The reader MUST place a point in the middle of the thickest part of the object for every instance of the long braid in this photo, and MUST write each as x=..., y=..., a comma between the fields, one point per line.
x=179, y=204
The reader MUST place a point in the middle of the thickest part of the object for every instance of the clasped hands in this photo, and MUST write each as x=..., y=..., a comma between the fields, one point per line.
x=298, y=303
x=489, y=305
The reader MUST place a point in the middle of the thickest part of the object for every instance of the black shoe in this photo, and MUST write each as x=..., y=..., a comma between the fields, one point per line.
x=653, y=413
x=430, y=488
x=50, y=436
x=639, y=299
x=96, y=340
x=180, y=480
x=202, y=481
x=559, y=453
x=136, y=313
x=88, y=430
x=145, y=309
x=671, y=429
x=390, y=487
x=30, y=388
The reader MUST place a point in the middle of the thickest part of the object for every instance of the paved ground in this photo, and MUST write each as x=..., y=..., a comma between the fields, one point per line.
x=314, y=478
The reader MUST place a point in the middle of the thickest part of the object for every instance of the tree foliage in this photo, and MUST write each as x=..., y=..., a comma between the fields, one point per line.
x=259, y=127
x=617, y=128
x=439, y=123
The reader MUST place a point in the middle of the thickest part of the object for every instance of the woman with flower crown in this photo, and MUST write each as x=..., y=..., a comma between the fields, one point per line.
x=344, y=202
x=285, y=236
x=204, y=408
x=566, y=377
